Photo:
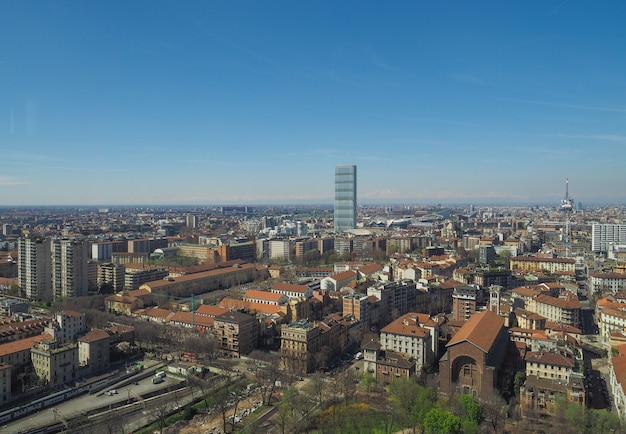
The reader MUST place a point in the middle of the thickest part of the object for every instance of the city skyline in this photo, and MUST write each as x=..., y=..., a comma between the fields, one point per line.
x=139, y=103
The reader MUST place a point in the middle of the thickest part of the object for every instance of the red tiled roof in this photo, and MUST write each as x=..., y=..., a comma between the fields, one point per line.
x=289, y=287
x=209, y=310
x=22, y=344
x=481, y=329
x=549, y=358
x=256, y=294
x=94, y=336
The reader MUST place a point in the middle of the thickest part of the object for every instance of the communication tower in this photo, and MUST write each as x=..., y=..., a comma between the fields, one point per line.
x=567, y=205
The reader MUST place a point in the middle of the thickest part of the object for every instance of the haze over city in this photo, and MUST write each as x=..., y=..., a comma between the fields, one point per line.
x=256, y=102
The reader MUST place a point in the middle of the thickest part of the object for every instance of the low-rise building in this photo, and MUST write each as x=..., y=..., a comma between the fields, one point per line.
x=55, y=364
x=94, y=351
x=415, y=336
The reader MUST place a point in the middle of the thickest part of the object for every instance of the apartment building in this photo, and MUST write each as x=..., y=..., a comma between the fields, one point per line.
x=34, y=272
x=605, y=235
x=94, y=351
x=548, y=375
x=113, y=275
x=5, y=384
x=306, y=346
x=564, y=309
x=415, y=336
x=66, y=327
x=396, y=298
x=69, y=268
x=466, y=301
x=237, y=333
x=135, y=276
x=602, y=283
x=54, y=363
x=539, y=264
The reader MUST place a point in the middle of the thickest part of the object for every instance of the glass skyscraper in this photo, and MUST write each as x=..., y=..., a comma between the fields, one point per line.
x=345, y=198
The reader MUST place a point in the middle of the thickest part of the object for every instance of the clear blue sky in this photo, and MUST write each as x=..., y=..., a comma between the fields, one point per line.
x=220, y=102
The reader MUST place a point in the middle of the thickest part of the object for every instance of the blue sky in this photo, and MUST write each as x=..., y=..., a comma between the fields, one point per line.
x=220, y=102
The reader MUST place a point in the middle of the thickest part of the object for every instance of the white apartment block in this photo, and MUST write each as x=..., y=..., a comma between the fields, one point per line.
x=414, y=335
x=611, y=319
x=565, y=310
x=279, y=250
x=603, y=235
x=607, y=282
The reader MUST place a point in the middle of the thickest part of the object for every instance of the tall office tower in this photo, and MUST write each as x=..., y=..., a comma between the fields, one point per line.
x=69, y=268
x=34, y=268
x=345, y=198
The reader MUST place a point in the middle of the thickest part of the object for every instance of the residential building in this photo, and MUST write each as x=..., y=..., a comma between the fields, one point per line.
x=34, y=272
x=540, y=264
x=66, y=327
x=5, y=384
x=415, y=336
x=94, y=351
x=112, y=275
x=549, y=374
x=602, y=283
x=242, y=250
x=135, y=276
x=466, y=300
x=237, y=333
x=122, y=304
x=69, y=268
x=564, y=309
x=278, y=250
x=54, y=363
x=617, y=384
x=17, y=355
x=336, y=281
x=345, y=198
x=396, y=298
x=604, y=235
x=306, y=346
x=357, y=306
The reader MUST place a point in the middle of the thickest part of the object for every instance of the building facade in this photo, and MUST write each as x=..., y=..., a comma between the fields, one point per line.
x=603, y=235
x=237, y=333
x=345, y=198
x=55, y=364
x=69, y=268
x=34, y=274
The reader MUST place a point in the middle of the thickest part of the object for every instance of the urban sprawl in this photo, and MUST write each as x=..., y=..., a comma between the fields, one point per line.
x=325, y=319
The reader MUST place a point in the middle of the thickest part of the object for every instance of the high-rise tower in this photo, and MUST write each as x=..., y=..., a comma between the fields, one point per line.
x=69, y=268
x=345, y=198
x=34, y=268
x=567, y=205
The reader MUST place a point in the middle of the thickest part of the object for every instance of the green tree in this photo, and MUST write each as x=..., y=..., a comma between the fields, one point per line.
x=518, y=382
x=439, y=421
x=471, y=409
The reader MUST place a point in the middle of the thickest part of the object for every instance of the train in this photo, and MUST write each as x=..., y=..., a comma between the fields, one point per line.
x=40, y=404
